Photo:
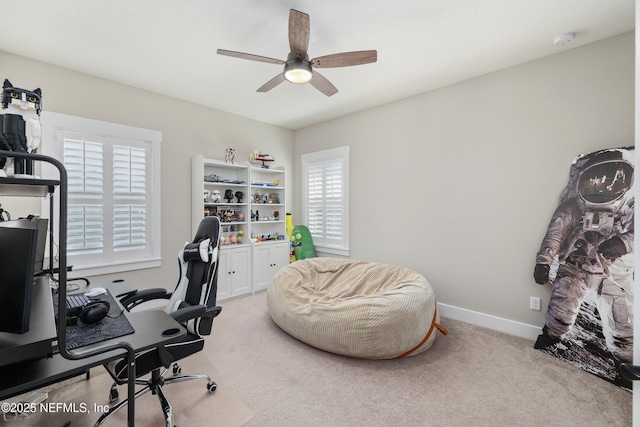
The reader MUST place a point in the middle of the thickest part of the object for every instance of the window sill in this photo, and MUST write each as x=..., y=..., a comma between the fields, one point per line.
x=116, y=267
x=332, y=250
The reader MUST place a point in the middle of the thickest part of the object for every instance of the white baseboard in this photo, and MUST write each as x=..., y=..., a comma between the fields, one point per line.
x=491, y=322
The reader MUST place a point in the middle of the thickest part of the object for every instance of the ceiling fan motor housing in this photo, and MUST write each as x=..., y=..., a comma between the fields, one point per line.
x=297, y=70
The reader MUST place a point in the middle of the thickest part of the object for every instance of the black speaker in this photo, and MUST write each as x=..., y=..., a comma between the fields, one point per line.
x=18, y=243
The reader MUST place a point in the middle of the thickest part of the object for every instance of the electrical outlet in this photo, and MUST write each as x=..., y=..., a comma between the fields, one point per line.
x=534, y=303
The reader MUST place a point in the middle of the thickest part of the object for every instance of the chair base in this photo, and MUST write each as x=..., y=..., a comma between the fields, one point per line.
x=155, y=384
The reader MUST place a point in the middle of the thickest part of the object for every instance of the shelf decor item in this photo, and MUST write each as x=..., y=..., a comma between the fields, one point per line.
x=258, y=157
x=230, y=155
x=20, y=127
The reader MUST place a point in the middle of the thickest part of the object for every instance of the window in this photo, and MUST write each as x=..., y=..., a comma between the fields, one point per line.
x=326, y=199
x=113, y=192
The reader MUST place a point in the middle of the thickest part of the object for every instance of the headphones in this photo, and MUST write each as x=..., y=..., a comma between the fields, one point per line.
x=90, y=314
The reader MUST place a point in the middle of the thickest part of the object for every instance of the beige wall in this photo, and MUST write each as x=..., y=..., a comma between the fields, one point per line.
x=460, y=183
x=187, y=129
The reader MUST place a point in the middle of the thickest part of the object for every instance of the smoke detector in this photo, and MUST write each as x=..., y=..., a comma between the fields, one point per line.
x=563, y=39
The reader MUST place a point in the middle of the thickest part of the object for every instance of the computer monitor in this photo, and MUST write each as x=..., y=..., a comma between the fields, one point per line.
x=18, y=247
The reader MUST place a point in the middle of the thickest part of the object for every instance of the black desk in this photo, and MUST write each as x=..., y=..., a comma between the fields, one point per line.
x=29, y=375
x=152, y=328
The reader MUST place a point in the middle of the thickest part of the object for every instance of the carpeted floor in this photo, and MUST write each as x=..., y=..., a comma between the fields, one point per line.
x=471, y=377
x=192, y=404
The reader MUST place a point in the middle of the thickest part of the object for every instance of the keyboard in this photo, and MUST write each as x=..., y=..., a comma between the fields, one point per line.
x=74, y=301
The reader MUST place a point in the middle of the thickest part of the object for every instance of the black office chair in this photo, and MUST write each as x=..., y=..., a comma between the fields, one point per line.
x=193, y=304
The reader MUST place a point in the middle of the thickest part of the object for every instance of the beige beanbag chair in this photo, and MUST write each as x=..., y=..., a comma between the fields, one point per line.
x=355, y=308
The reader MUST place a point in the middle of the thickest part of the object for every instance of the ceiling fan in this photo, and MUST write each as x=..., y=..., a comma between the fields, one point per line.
x=298, y=68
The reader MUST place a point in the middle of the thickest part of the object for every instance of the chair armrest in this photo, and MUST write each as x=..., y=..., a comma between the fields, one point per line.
x=138, y=297
x=191, y=312
x=187, y=313
x=213, y=311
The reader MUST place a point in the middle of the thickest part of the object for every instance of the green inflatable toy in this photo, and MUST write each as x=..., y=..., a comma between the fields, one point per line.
x=302, y=242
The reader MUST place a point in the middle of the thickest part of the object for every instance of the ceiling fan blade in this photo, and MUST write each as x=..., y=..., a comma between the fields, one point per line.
x=322, y=84
x=271, y=83
x=345, y=59
x=298, y=33
x=250, y=56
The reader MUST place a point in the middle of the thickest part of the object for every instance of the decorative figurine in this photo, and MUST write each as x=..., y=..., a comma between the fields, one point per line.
x=257, y=156
x=228, y=194
x=212, y=177
x=20, y=127
x=230, y=155
x=207, y=194
x=239, y=195
x=215, y=196
x=302, y=242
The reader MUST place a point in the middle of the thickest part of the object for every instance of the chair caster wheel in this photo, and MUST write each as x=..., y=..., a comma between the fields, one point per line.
x=212, y=387
x=176, y=369
x=113, y=395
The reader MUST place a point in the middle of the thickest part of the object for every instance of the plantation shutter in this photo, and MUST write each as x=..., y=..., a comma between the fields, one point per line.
x=85, y=226
x=333, y=195
x=315, y=197
x=108, y=203
x=129, y=190
x=326, y=198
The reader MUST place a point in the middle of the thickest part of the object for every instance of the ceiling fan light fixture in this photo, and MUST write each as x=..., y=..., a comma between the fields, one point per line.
x=298, y=71
x=298, y=68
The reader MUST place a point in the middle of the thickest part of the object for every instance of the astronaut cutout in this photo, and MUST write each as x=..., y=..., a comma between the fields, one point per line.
x=20, y=129
x=590, y=241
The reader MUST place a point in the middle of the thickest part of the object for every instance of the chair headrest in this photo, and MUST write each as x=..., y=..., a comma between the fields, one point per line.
x=197, y=251
x=208, y=229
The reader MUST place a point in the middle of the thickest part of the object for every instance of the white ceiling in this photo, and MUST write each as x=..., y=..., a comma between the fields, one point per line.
x=169, y=46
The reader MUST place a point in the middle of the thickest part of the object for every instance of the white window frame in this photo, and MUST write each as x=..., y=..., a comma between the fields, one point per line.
x=54, y=128
x=322, y=243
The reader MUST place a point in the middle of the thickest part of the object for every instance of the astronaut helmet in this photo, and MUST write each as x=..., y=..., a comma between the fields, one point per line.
x=606, y=178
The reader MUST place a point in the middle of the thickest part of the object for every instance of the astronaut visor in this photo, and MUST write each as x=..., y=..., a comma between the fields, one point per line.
x=605, y=182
